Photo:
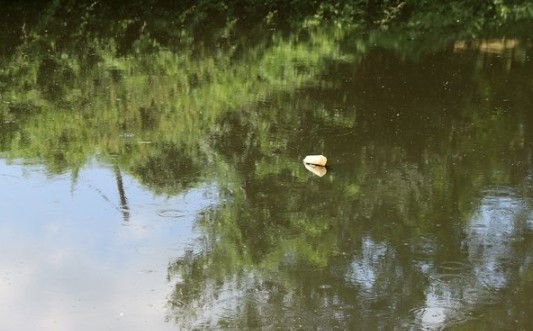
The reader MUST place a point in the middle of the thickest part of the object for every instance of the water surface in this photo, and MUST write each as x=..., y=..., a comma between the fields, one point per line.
x=162, y=189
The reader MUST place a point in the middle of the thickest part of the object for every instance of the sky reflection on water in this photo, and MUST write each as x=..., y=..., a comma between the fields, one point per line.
x=74, y=264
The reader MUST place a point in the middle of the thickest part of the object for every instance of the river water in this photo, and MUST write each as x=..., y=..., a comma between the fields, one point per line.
x=166, y=190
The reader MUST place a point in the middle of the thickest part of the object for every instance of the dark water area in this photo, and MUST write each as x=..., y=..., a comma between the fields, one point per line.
x=148, y=186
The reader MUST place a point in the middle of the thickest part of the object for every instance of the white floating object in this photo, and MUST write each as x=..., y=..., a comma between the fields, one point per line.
x=319, y=160
x=320, y=171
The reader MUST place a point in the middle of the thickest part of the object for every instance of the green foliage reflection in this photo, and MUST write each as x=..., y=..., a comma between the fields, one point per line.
x=64, y=105
x=411, y=145
x=416, y=117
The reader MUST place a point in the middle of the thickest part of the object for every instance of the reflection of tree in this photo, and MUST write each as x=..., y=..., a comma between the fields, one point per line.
x=124, y=208
x=81, y=101
x=411, y=146
x=381, y=235
x=170, y=171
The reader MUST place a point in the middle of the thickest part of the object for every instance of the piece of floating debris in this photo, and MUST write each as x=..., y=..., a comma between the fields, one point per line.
x=316, y=164
x=316, y=169
x=318, y=160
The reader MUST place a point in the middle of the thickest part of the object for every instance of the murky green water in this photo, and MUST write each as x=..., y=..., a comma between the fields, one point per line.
x=165, y=189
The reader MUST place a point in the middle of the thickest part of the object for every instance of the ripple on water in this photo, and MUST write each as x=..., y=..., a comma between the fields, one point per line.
x=437, y=316
x=478, y=225
x=500, y=192
x=170, y=213
x=422, y=247
x=529, y=223
x=480, y=297
x=452, y=272
x=453, y=266
x=503, y=200
x=450, y=278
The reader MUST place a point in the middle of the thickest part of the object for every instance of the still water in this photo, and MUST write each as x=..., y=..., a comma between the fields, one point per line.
x=72, y=261
x=166, y=190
